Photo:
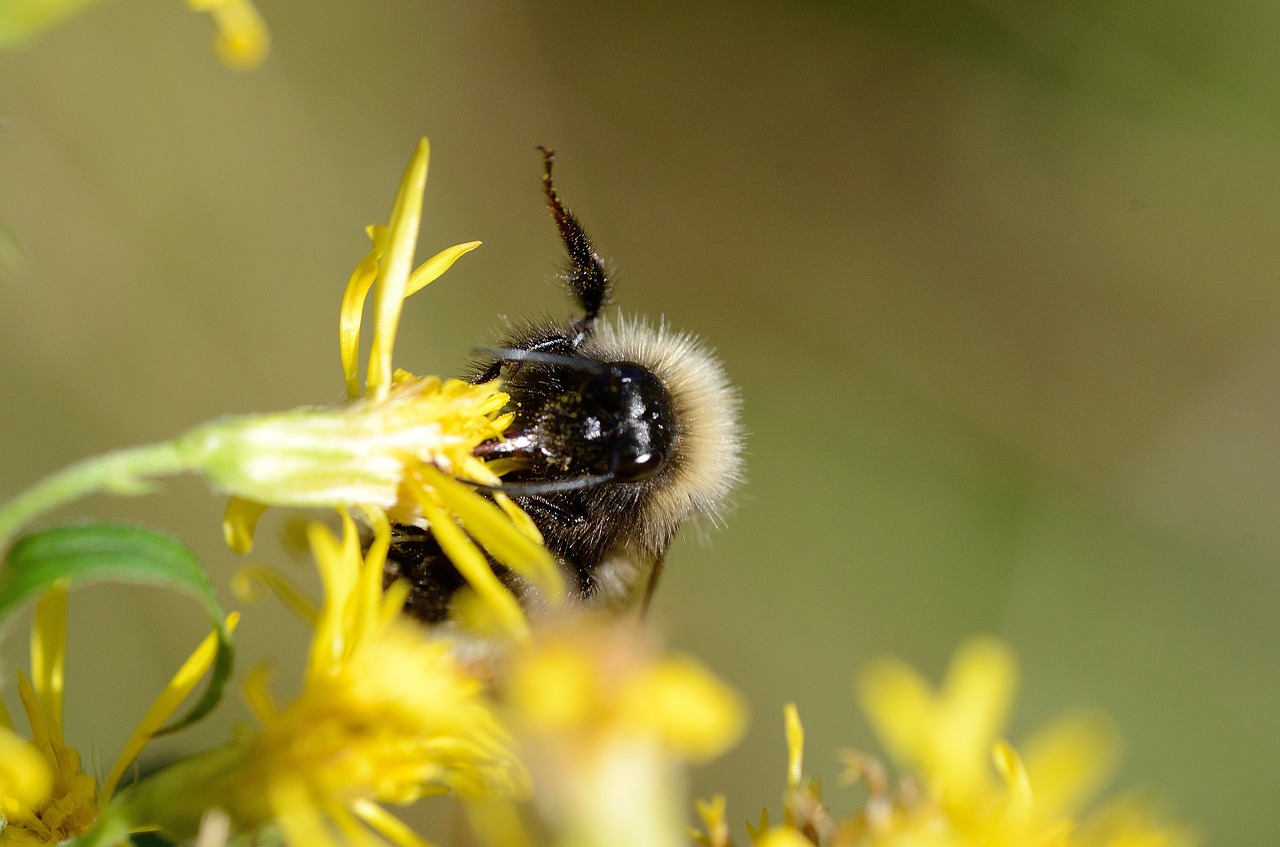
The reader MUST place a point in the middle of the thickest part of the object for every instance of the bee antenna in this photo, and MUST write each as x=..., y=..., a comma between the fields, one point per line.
x=587, y=279
x=539, y=357
x=539, y=489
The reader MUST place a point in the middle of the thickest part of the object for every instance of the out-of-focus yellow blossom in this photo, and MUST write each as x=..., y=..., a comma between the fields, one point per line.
x=386, y=715
x=241, y=41
x=608, y=728
x=966, y=787
x=45, y=795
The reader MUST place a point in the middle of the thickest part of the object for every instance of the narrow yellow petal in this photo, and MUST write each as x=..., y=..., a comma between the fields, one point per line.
x=351, y=314
x=387, y=825
x=433, y=268
x=247, y=584
x=369, y=593
x=489, y=525
x=979, y=689
x=36, y=717
x=242, y=40
x=257, y=693
x=393, y=600
x=353, y=834
x=897, y=702
x=1069, y=760
x=240, y=522
x=331, y=640
x=182, y=683
x=795, y=744
x=518, y=516
x=1009, y=765
x=474, y=567
x=393, y=278
x=49, y=654
x=296, y=811
x=712, y=813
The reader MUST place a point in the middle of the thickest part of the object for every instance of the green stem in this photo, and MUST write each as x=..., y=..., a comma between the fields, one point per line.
x=125, y=472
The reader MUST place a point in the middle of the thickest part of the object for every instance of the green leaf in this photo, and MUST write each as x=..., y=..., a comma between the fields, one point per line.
x=99, y=552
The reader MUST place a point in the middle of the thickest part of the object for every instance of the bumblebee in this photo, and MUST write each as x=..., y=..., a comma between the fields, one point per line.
x=622, y=432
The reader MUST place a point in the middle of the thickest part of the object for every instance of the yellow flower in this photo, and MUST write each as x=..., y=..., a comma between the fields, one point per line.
x=398, y=447
x=386, y=715
x=967, y=786
x=608, y=728
x=945, y=736
x=365, y=453
x=398, y=443
x=241, y=41
x=951, y=740
x=45, y=795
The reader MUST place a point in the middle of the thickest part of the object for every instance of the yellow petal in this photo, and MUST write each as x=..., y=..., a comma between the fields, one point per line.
x=25, y=778
x=712, y=814
x=978, y=691
x=240, y=522
x=433, y=268
x=1069, y=760
x=337, y=561
x=36, y=718
x=795, y=744
x=372, y=565
x=191, y=672
x=49, y=655
x=298, y=815
x=393, y=278
x=257, y=693
x=351, y=313
x=680, y=702
x=474, y=567
x=242, y=40
x=519, y=517
x=247, y=584
x=1014, y=773
x=387, y=825
x=897, y=703
x=489, y=525
x=556, y=688
x=783, y=836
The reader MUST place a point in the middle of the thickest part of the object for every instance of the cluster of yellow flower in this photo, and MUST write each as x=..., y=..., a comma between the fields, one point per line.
x=581, y=733
x=387, y=713
x=967, y=786
x=588, y=711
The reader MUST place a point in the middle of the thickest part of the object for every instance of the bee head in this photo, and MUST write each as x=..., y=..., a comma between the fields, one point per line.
x=582, y=422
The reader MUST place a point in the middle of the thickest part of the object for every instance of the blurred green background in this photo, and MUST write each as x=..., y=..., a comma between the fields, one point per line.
x=998, y=281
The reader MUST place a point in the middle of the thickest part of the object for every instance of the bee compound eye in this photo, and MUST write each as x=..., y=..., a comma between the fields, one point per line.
x=637, y=466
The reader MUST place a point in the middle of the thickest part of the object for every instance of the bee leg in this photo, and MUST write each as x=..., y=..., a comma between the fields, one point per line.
x=651, y=586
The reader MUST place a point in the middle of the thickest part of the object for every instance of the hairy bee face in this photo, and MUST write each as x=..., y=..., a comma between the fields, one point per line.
x=583, y=419
x=621, y=433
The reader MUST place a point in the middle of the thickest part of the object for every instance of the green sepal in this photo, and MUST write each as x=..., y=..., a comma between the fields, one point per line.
x=111, y=552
